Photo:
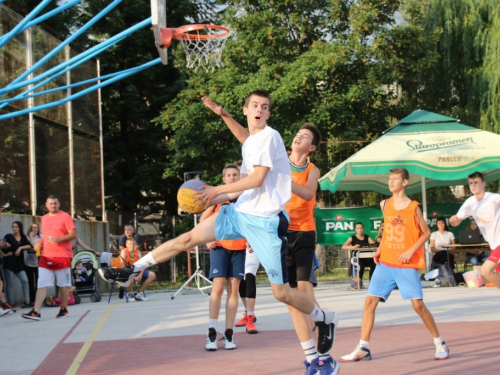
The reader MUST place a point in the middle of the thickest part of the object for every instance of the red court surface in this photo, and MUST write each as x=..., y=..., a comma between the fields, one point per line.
x=396, y=349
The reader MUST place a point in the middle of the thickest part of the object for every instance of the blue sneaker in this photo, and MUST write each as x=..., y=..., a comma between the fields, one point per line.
x=328, y=366
x=310, y=370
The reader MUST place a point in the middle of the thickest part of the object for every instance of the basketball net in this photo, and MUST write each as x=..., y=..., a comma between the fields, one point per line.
x=204, y=47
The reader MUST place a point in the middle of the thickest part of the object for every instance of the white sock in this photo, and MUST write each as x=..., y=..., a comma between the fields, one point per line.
x=250, y=313
x=309, y=348
x=364, y=343
x=145, y=262
x=212, y=323
x=437, y=340
x=317, y=314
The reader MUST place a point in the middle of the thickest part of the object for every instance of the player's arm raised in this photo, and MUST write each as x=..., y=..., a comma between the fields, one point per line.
x=238, y=131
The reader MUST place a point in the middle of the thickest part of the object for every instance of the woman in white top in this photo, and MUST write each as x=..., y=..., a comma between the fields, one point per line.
x=31, y=261
x=441, y=237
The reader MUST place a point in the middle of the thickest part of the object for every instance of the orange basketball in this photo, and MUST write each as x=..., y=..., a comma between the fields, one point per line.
x=188, y=193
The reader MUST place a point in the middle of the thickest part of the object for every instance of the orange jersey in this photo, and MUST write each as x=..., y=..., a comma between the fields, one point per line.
x=229, y=244
x=299, y=210
x=401, y=231
x=128, y=260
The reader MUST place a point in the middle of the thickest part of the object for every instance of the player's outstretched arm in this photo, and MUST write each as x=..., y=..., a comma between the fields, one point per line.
x=238, y=131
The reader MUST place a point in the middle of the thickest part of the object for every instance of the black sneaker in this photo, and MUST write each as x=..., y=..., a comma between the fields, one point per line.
x=33, y=315
x=211, y=341
x=63, y=312
x=326, y=332
x=122, y=276
x=121, y=292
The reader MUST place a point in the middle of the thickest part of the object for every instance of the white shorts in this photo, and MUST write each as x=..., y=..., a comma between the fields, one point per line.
x=251, y=263
x=46, y=277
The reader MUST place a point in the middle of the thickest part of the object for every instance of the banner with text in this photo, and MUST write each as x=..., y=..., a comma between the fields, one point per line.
x=335, y=225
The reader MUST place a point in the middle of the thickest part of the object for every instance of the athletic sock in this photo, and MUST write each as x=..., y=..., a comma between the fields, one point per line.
x=212, y=323
x=145, y=262
x=309, y=348
x=437, y=340
x=317, y=314
x=250, y=313
x=364, y=343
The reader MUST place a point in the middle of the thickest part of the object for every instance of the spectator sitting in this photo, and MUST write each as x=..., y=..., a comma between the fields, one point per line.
x=475, y=258
x=356, y=241
x=441, y=236
x=129, y=233
x=80, y=273
x=129, y=256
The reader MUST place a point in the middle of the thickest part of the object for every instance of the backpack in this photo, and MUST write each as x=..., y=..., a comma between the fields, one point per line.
x=445, y=276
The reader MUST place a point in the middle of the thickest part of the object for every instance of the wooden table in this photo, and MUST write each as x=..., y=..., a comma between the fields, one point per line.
x=361, y=252
x=470, y=248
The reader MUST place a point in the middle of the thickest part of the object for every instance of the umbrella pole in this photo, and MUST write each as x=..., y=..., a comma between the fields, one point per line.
x=424, y=206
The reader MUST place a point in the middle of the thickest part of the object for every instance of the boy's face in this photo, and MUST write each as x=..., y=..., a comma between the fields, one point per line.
x=476, y=185
x=257, y=112
x=303, y=141
x=130, y=245
x=396, y=182
x=231, y=175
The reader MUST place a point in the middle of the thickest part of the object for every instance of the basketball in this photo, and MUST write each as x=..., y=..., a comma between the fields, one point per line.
x=188, y=193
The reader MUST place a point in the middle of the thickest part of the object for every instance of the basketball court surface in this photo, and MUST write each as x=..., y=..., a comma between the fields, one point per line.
x=165, y=336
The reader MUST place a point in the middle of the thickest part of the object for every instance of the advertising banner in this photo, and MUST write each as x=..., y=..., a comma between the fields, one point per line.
x=335, y=225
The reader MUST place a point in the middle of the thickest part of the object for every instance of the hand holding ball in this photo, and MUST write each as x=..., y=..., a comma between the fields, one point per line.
x=187, y=194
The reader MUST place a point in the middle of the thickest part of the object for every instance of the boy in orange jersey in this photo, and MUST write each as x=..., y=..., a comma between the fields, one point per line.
x=398, y=258
x=227, y=262
x=129, y=255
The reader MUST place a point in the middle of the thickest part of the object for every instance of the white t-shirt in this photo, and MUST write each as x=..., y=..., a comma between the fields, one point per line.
x=441, y=239
x=486, y=213
x=266, y=149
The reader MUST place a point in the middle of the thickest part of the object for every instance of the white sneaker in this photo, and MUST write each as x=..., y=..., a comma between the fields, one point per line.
x=228, y=338
x=211, y=342
x=140, y=296
x=131, y=297
x=359, y=354
x=5, y=312
x=442, y=351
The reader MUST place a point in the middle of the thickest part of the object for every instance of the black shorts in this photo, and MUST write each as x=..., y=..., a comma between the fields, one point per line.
x=300, y=257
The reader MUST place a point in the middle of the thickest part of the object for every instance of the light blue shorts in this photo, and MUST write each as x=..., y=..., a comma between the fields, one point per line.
x=266, y=235
x=385, y=279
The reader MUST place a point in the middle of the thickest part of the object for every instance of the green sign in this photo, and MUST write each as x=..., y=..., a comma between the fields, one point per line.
x=335, y=225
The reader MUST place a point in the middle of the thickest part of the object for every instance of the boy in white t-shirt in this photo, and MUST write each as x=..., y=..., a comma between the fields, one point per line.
x=484, y=207
x=258, y=215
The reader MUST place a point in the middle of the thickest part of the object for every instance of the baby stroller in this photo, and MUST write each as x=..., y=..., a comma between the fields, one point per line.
x=91, y=265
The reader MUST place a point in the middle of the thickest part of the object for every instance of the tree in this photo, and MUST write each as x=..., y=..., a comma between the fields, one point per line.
x=334, y=63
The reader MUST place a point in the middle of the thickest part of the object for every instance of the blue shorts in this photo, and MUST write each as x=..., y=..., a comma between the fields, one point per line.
x=145, y=276
x=385, y=279
x=266, y=235
x=227, y=263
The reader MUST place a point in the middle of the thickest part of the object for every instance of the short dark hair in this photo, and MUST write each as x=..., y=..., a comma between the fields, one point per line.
x=444, y=221
x=403, y=172
x=52, y=196
x=476, y=175
x=315, y=132
x=359, y=223
x=260, y=93
x=229, y=166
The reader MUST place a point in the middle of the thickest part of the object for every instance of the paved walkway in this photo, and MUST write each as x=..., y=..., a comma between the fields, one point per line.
x=164, y=336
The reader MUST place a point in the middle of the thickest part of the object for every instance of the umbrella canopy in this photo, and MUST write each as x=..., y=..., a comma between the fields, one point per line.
x=435, y=149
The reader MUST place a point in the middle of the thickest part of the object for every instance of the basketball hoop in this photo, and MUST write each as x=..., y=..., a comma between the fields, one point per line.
x=203, y=44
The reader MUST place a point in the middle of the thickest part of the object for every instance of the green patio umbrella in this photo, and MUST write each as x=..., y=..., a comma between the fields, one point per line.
x=435, y=149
